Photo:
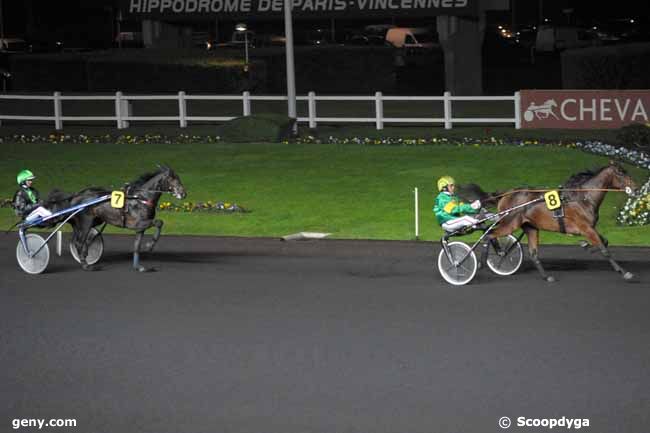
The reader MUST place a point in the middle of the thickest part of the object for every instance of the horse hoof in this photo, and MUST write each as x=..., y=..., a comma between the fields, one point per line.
x=89, y=268
x=584, y=244
x=143, y=269
x=628, y=276
x=550, y=279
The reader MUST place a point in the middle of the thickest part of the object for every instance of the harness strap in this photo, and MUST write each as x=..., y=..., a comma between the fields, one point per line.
x=560, y=221
x=124, y=209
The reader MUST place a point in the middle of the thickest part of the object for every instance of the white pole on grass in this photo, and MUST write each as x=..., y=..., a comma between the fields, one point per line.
x=417, y=215
x=59, y=243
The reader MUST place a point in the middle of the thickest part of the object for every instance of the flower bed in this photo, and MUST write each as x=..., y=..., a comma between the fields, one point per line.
x=208, y=206
x=635, y=212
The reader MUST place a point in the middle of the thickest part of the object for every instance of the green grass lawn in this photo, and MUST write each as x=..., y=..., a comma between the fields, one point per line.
x=351, y=191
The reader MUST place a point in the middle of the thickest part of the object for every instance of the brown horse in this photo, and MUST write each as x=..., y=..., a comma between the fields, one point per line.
x=581, y=196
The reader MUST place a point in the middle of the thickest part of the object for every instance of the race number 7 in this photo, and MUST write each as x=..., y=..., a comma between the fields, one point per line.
x=552, y=199
x=117, y=199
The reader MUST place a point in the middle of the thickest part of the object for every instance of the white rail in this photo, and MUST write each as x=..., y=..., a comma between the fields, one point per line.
x=124, y=112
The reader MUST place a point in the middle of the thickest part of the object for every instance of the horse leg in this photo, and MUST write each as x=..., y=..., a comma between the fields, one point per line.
x=505, y=228
x=484, y=253
x=80, y=240
x=136, y=253
x=597, y=241
x=593, y=248
x=152, y=243
x=533, y=242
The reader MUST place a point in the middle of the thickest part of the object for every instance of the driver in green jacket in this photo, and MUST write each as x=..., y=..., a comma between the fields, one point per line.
x=26, y=200
x=452, y=214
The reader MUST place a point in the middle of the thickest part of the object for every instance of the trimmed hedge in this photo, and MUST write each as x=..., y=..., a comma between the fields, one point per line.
x=135, y=70
x=609, y=67
x=331, y=69
x=334, y=69
x=49, y=72
x=259, y=128
x=636, y=135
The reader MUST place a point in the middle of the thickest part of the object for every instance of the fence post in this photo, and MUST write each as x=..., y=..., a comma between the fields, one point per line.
x=247, y=103
x=379, y=110
x=58, y=123
x=312, y=109
x=517, y=110
x=118, y=109
x=127, y=110
x=417, y=215
x=182, y=109
x=447, y=107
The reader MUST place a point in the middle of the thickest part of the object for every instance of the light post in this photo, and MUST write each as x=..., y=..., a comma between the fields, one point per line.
x=291, y=74
x=2, y=24
x=241, y=27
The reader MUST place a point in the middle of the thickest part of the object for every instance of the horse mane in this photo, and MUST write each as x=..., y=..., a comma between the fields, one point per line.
x=142, y=179
x=147, y=176
x=93, y=189
x=582, y=177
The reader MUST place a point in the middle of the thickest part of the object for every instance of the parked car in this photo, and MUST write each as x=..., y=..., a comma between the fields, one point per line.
x=557, y=38
x=239, y=39
x=45, y=46
x=623, y=30
x=13, y=45
x=129, y=40
x=365, y=40
x=411, y=38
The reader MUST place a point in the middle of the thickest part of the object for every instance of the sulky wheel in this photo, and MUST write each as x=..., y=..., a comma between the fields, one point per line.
x=95, y=247
x=505, y=255
x=36, y=263
x=454, y=272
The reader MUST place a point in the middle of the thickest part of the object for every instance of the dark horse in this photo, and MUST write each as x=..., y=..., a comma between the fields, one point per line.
x=138, y=214
x=580, y=212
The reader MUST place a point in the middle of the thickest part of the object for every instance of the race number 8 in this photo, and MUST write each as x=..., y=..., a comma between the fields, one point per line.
x=552, y=199
x=117, y=199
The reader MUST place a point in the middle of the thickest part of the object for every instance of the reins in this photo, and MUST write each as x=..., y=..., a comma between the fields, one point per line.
x=560, y=190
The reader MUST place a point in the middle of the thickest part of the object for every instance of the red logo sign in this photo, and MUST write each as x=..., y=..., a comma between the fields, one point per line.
x=583, y=109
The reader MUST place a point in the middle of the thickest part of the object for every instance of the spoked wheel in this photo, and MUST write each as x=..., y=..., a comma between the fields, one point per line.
x=95, y=247
x=505, y=255
x=454, y=272
x=39, y=261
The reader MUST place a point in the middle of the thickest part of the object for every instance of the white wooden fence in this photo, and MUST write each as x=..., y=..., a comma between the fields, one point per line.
x=123, y=113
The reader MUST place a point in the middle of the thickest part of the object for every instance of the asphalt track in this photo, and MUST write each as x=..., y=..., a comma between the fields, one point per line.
x=266, y=336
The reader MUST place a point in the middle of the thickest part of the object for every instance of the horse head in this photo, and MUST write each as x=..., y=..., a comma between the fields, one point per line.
x=171, y=182
x=620, y=178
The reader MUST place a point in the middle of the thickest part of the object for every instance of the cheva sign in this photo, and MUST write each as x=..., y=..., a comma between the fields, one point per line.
x=260, y=9
x=584, y=109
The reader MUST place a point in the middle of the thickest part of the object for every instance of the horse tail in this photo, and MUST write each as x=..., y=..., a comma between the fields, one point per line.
x=472, y=191
x=57, y=200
